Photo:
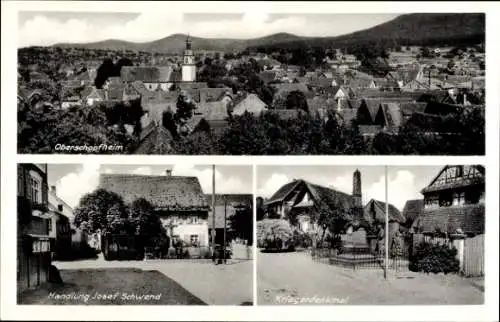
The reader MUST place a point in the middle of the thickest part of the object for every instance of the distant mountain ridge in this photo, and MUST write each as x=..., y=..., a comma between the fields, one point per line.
x=415, y=29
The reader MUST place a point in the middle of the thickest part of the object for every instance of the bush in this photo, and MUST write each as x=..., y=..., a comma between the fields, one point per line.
x=275, y=234
x=435, y=259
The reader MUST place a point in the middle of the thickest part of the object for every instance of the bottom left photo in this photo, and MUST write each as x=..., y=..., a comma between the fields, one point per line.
x=97, y=234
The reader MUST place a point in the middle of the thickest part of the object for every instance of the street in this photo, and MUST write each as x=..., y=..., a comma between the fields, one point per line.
x=294, y=278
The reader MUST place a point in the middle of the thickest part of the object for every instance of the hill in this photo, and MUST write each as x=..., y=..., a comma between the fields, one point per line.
x=424, y=29
x=409, y=29
x=176, y=43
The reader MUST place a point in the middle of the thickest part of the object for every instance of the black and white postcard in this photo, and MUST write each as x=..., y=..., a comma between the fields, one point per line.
x=365, y=235
x=250, y=160
x=251, y=84
x=91, y=234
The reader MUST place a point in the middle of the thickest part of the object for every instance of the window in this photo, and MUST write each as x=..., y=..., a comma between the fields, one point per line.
x=431, y=202
x=35, y=187
x=472, y=196
x=458, y=198
x=445, y=199
x=49, y=225
x=194, y=240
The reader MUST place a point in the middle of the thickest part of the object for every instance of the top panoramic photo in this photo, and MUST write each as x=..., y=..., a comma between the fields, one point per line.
x=251, y=84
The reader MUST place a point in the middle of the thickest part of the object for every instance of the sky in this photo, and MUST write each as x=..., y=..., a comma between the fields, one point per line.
x=72, y=181
x=404, y=182
x=44, y=28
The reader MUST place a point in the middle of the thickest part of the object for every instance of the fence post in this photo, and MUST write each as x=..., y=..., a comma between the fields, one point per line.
x=28, y=270
x=458, y=241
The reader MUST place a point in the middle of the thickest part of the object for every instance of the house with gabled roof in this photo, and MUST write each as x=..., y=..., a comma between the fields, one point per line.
x=300, y=201
x=152, y=76
x=91, y=95
x=251, y=103
x=412, y=210
x=155, y=139
x=454, y=202
x=179, y=202
x=374, y=212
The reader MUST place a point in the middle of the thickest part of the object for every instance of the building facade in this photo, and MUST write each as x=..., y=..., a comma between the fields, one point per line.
x=33, y=226
x=179, y=202
x=454, y=202
x=299, y=202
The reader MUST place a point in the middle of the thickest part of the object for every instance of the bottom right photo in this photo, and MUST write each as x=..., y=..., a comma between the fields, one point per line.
x=370, y=235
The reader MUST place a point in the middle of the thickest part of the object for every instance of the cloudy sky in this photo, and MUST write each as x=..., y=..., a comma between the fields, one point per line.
x=72, y=181
x=48, y=27
x=405, y=182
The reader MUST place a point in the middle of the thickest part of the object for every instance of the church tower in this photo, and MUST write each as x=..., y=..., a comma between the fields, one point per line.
x=356, y=189
x=188, y=64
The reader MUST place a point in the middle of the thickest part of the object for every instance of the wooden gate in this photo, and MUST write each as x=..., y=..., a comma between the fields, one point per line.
x=474, y=256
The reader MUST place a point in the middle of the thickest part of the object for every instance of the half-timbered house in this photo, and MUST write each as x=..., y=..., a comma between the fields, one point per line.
x=454, y=202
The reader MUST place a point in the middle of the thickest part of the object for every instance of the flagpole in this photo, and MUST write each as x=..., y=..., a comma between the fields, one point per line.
x=386, y=229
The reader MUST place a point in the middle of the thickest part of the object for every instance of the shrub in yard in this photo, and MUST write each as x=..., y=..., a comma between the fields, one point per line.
x=275, y=234
x=430, y=258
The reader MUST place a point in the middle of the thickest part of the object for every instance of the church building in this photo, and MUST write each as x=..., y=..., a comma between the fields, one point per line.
x=164, y=77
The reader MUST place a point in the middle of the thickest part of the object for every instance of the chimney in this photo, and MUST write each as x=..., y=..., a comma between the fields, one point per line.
x=53, y=189
x=356, y=189
x=168, y=172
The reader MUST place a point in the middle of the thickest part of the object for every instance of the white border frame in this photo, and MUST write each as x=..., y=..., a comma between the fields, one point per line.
x=9, y=309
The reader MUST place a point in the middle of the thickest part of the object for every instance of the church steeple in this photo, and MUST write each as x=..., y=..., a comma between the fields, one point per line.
x=188, y=43
x=188, y=66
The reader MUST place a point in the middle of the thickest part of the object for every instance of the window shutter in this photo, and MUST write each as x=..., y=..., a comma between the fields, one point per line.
x=27, y=181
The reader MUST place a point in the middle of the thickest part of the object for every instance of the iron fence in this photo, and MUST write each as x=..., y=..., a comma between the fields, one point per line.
x=199, y=253
x=361, y=257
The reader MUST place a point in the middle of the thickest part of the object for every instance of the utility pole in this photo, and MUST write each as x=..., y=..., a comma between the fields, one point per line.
x=225, y=219
x=386, y=229
x=429, y=76
x=213, y=209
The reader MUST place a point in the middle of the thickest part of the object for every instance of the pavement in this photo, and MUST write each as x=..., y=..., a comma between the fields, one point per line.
x=294, y=278
x=230, y=284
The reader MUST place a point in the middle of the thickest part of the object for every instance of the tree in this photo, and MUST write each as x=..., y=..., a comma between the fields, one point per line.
x=451, y=65
x=106, y=70
x=275, y=234
x=40, y=130
x=101, y=210
x=425, y=52
x=331, y=217
x=241, y=222
x=168, y=122
x=146, y=222
x=203, y=126
x=296, y=100
x=184, y=109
